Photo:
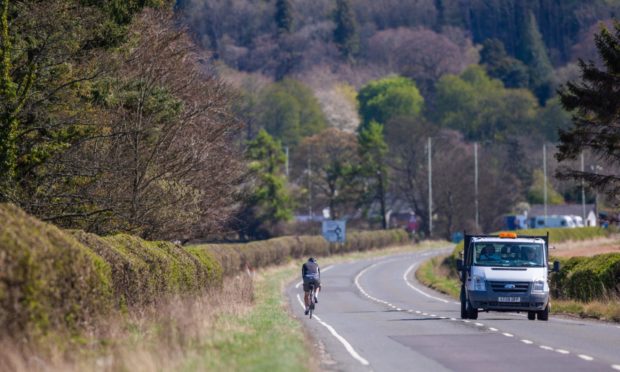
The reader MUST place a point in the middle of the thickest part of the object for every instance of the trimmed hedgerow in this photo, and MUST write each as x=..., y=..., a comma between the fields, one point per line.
x=47, y=278
x=50, y=278
x=588, y=278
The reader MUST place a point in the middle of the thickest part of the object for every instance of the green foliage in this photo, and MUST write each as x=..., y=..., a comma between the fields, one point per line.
x=373, y=150
x=290, y=112
x=534, y=54
x=284, y=16
x=595, y=105
x=589, y=278
x=269, y=202
x=391, y=97
x=499, y=65
x=535, y=194
x=49, y=280
x=345, y=34
x=552, y=118
x=481, y=108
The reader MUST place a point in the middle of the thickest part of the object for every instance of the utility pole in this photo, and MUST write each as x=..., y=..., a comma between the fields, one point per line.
x=430, y=190
x=286, y=162
x=310, y=188
x=583, y=190
x=476, y=183
x=545, y=179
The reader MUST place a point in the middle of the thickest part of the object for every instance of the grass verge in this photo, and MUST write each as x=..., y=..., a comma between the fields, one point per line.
x=264, y=339
x=434, y=274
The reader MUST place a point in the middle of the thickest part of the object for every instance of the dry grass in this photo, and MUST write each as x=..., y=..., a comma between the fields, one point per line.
x=603, y=310
x=588, y=248
x=149, y=338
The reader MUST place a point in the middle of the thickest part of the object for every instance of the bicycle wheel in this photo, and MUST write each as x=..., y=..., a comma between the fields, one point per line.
x=311, y=309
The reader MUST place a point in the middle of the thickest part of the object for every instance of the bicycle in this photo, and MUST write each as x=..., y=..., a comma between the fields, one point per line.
x=312, y=300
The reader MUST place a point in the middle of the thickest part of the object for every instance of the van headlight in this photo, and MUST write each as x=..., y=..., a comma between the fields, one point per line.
x=540, y=287
x=479, y=283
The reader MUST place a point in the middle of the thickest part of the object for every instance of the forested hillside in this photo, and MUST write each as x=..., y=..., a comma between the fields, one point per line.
x=459, y=72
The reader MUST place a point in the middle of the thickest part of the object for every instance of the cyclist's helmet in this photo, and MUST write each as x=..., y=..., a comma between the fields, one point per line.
x=311, y=259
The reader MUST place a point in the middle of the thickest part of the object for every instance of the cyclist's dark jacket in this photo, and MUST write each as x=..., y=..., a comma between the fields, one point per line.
x=310, y=271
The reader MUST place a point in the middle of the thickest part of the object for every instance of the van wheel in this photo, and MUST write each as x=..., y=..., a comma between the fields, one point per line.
x=471, y=312
x=531, y=315
x=463, y=305
x=544, y=314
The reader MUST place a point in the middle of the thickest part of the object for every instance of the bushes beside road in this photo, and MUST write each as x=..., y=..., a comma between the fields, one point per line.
x=51, y=278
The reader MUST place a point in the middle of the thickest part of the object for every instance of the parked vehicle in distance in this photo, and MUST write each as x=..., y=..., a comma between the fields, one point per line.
x=505, y=272
x=539, y=222
x=578, y=221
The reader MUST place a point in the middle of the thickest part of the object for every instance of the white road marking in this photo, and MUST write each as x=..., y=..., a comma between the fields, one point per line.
x=342, y=340
x=419, y=290
x=616, y=367
x=562, y=351
x=527, y=342
x=585, y=357
x=479, y=324
x=465, y=321
x=544, y=347
x=508, y=334
x=493, y=329
x=418, y=312
x=453, y=319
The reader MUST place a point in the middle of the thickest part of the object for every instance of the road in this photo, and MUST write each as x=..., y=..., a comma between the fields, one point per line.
x=374, y=316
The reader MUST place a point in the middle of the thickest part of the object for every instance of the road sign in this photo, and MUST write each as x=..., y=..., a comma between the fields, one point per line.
x=334, y=231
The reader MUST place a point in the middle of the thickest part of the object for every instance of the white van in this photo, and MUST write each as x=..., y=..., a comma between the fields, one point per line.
x=540, y=222
x=505, y=272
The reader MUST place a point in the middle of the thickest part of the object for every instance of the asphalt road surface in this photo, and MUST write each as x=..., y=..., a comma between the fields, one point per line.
x=373, y=315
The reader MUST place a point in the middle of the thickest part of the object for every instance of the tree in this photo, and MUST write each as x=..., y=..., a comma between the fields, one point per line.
x=534, y=53
x=290, y=112
x=419, y=54
x=499, y=65
x=373, y=151
x=481, y=107
x=335, y=169
x=345, y=34
x=384, y=99
x=268, y=202
x=284, y=16
x=162, y=129
x=535, y=194
x=595, y=104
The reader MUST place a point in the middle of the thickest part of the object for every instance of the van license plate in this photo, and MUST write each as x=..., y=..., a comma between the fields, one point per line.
x=509, y=299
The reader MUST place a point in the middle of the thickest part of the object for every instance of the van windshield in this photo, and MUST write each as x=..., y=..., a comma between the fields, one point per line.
x=508, y=254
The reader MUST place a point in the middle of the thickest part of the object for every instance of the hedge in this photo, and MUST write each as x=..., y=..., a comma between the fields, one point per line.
x=52, y=278
x=588, y=278
x=47, y=278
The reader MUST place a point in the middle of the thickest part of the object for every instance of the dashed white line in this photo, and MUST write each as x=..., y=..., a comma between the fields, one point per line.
x=342, y=340
x=479, y=324
x=562, y=351
x=508, y=334
x=418, y=290
x=493, y=329
x=544, y=347
x=616, y=367
x=585, y=357
x=528, y=342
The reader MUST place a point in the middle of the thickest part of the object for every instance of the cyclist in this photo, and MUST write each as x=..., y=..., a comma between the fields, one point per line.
x=311, y=274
